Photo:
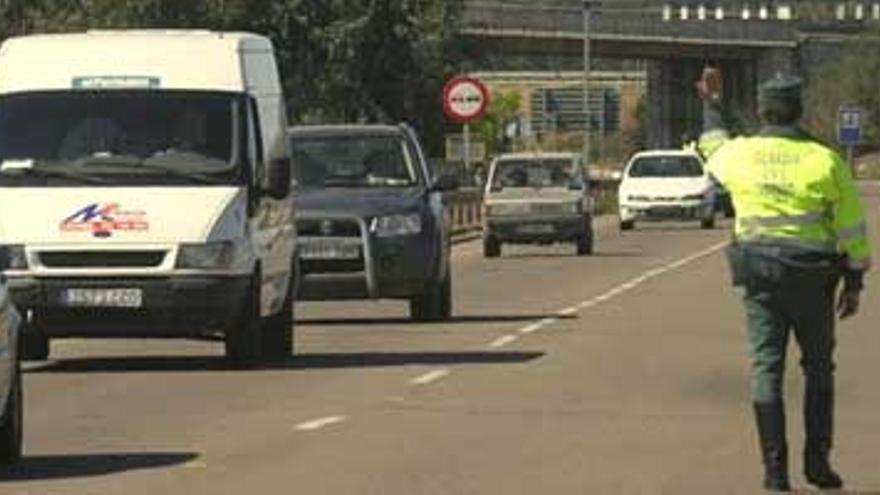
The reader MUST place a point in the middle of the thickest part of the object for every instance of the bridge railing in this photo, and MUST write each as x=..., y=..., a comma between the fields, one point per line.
x=634, y=24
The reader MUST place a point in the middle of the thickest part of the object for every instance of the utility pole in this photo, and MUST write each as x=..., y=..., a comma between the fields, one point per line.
x=588, y=6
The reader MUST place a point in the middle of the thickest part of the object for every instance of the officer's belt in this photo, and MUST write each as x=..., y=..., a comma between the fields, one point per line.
x=793, y=256
x=802, y=245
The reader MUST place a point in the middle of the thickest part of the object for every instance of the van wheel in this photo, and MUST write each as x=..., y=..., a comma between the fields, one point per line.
x=34, y=344
x=627, y=224
x=708, y=223
x=11, y=424
x=435, y=304
x=244, y=338
x=278, y=329
x=491, y=247
x=585, y=244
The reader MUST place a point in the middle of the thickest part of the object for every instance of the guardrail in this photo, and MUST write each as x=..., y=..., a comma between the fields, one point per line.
x=464, y=208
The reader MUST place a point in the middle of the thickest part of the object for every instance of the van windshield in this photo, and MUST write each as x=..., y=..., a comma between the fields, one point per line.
x=666, y=166
x=353, y=161
x=118, y=137
x=534, y=173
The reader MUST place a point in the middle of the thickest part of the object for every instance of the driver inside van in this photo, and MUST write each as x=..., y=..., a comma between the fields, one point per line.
x=90, y=136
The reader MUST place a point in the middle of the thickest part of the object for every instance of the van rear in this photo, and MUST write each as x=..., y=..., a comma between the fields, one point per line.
x=144, y=184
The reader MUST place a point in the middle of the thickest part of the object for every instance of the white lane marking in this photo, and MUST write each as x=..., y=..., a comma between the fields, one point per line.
x=610, y=294
x=429, y=377
x=317, y=424
x=503, y=341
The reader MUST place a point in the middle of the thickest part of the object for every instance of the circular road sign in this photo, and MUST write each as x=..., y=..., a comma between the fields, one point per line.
x=465, y=99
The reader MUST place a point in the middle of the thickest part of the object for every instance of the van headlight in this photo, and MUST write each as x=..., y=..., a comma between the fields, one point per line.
x=207, y=256
x=13, y=257
x=397, y=225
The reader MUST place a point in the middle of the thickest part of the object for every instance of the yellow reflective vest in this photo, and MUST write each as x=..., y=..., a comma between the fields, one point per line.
x=710, y=141
x=788, y=189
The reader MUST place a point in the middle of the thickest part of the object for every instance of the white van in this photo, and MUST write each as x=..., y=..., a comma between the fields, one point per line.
x=145, y=188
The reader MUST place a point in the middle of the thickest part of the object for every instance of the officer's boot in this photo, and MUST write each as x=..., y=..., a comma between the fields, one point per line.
x=770, y=418
x=818, y=422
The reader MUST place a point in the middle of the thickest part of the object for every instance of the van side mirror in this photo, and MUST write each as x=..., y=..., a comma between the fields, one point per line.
x=445, y=183
x=278, y=178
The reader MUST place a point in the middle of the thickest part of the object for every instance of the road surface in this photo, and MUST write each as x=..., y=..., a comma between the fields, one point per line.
x=625, y=372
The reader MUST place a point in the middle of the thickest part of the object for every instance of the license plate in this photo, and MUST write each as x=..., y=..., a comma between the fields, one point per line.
x=328, y=250
x=105, y=298
x=536, y=229
x=668, y=212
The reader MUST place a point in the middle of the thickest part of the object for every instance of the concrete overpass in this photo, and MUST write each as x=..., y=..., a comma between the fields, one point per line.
x=749, y=46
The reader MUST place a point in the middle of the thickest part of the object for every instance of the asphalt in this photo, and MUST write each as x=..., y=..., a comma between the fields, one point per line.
x=624, y=372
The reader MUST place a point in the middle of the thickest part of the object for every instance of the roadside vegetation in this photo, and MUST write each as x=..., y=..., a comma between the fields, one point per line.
x=341, y=60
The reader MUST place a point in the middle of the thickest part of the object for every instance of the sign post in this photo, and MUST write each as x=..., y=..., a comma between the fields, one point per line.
x=465, y=99
x=849, y=130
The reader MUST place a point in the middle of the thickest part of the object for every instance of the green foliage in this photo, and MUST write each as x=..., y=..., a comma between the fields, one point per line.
x=503, y=109
x=341, y=60
x=854, y=80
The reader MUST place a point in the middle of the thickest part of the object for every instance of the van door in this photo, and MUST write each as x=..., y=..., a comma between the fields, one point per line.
x=271, y=223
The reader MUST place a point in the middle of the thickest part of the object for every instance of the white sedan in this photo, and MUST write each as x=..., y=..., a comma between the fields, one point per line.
x=666, y=185
x=10, y=380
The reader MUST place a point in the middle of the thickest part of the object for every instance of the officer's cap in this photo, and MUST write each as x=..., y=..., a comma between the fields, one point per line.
x=780, y=95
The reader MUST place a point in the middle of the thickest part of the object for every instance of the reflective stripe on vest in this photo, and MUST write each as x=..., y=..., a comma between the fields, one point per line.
x=850, y=233
x=811, y=218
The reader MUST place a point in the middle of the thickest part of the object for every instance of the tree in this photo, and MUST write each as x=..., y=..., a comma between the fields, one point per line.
x=854, y=80
x=504, y=107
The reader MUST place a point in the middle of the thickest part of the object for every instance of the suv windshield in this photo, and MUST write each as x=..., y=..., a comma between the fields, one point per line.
x=666, y=166
x=534, y=173
x=118, y=137
x=353, y=161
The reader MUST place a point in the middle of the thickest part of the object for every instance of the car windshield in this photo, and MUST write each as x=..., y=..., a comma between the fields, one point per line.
x=118, y=137
x=666, y=166
x=534, y=173
x=353, y=161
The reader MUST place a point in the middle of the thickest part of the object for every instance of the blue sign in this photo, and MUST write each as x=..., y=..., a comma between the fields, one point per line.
x=849, y=126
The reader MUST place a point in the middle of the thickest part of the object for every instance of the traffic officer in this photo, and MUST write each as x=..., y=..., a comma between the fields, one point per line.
x=800, y=227
x=711, y=140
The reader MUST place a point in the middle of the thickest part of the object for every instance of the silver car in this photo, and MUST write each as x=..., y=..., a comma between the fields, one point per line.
x=537, y=198
x=10, y=380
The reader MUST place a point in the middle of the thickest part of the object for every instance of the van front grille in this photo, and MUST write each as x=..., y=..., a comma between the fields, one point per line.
x=102, y=259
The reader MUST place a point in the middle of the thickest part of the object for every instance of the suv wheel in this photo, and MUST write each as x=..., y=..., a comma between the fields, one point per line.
x=435, y=304
x=11, y=422
x=278, y=329
x=708, y=223
x=491, y=247
x=34, y=344
x=584, y=244
x=244, y=337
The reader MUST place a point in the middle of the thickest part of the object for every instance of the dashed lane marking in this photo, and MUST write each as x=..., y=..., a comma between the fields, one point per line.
x=503, y=341
x=607, y=296
x=430, y=377
x=320, y=423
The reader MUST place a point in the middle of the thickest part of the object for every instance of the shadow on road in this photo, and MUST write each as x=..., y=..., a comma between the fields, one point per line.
x=303, y=361
x=554, y=255
x=463, y=319
x=51, y=467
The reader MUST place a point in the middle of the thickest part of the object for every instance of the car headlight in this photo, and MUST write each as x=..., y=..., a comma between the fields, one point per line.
x=13, y=257
x=212, y=255
x=638, y=197
x=571, y=207
x=693, y=197
x=396, y=225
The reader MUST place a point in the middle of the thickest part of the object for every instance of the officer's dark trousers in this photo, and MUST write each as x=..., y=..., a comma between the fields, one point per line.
x=800, y=303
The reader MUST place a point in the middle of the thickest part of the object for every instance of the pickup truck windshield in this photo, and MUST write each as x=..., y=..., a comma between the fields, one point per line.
x=534, y=173
x=118, y=138
x=353, y=161
x=666, y=166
